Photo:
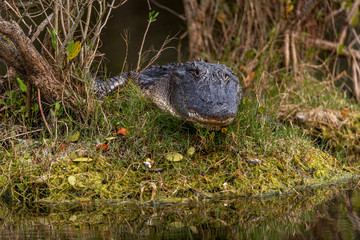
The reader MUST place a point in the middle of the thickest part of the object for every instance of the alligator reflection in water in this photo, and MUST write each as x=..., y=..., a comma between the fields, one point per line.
x=304, y=216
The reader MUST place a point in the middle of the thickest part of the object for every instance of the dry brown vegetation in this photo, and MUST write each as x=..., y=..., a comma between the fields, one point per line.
x=278, y=35
x=40, y=39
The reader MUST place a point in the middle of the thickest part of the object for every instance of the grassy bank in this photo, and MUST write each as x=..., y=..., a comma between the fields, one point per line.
x=255, y=156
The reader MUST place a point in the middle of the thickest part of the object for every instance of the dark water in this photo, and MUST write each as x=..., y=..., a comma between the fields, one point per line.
x=132, y=17
x=317, y=214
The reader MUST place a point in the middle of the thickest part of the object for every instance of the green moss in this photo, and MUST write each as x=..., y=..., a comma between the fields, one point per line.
x=255, y=156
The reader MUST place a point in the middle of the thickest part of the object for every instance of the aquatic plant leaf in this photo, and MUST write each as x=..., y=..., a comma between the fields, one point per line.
x=72, y=180
x=82, y=159
x=193, y=229
x=73, y=49
x=177, y=224
x=191, y=151
x=22, y=86
x=122, y=131
x=73, y=138
x=73, y=218
x=110, y=138
x=174, y=157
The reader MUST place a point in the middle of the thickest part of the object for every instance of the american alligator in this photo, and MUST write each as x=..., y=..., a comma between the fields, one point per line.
x=197, y=91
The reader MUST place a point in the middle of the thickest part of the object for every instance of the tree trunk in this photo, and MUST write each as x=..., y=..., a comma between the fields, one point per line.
x=17, y=51
x=195, y=17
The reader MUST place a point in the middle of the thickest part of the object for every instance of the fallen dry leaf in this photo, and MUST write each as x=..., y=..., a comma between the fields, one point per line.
x=62, y=146
x=4, y=108
x=103, y=147
x=221, y=17
x=345, y=112
x=122, y=131
x=248, y=79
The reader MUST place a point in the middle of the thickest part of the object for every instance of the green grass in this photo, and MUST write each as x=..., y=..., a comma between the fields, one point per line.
x=255, y=156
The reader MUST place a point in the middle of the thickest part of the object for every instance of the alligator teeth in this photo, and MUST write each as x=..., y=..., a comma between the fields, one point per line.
x=194, y=116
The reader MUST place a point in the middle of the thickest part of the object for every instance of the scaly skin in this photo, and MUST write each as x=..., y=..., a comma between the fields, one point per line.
x=197, y=91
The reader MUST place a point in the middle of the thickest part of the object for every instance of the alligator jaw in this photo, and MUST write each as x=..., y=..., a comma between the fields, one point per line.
x=210, y=123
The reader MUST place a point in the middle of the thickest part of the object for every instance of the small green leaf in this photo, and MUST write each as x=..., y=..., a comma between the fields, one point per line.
x=21, y=186
x=261, y=109
x=22, y=86
x=355, y=21
x=52, y=112
x=73, y=49
x=73, y=138
x=340, y=49
x=70, y=46
x=191, y=151
x=174, y=157
x=193, y=229
x=3, y=180
x=53, y=35
x=73, y=218
x=110, y=138
x=57, y=106
x=82, y=159
x=176, y=224
x=72, y=180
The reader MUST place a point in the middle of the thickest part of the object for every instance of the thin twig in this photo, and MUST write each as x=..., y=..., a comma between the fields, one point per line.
x=293, y=51
x=327, y=45
x=21, y=134
x=42, y=26
x=42, y=112
x=60, y=57
x=142, y=45
x=286, y=49
x=182, y=17
x=356, y=74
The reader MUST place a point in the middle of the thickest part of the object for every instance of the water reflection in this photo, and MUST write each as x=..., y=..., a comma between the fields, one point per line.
x=338, y=218
x=305, y=216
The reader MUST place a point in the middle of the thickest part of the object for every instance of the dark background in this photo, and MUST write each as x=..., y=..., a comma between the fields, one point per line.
x=133, y=16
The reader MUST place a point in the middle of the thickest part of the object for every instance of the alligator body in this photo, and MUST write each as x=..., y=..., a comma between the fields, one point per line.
x=197, y=91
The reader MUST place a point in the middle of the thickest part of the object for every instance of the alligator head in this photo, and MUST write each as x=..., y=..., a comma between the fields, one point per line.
x=205, y=93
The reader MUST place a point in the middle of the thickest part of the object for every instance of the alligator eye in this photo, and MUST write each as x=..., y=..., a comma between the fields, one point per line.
x=197, y=72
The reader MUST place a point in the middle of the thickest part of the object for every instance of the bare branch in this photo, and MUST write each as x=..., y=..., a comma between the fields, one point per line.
x=69, y=37
x=327, y=45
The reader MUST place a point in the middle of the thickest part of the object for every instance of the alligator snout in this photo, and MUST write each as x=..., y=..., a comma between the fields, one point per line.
x=224, y=113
